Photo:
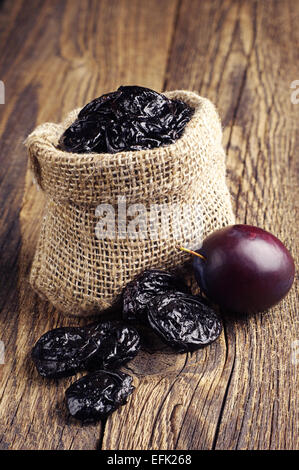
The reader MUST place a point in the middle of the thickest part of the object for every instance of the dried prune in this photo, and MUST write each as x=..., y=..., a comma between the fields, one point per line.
x=185, y=322
x=131, y=118
x=97, y=395
x=119, y=345
x=146, y=286
x=64, y=351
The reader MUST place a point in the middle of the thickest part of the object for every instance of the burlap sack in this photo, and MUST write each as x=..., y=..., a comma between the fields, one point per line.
x=82, y=274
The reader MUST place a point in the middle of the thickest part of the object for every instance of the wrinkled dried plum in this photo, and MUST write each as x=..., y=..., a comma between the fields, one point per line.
x=131, y=118
x=120, y=344
x=144, y=287
x=64, y=351
x=183, y=321
x=97, y=395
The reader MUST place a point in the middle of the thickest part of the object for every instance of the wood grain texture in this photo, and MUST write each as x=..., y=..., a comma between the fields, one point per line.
x=242, y=391
x=55, y=55
x=243, y=58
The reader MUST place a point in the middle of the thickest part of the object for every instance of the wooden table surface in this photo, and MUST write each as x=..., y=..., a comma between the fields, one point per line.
x=242, y=391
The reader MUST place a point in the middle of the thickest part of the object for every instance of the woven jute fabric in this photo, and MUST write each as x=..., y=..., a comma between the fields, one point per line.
x=82, y=274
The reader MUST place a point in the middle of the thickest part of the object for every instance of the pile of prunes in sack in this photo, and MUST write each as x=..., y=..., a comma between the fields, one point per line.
x=128, y=119
x=158, y=299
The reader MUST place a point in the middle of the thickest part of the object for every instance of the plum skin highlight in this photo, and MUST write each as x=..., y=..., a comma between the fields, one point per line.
x=245, y=269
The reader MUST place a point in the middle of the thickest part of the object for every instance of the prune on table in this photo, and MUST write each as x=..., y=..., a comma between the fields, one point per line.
x=185, y=322
x=64, y=351
x=120, y=344
x=97, y=395
x=131, y=118
x=146, y=286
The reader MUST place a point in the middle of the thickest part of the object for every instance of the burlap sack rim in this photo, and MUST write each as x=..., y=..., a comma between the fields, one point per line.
x=45, y=138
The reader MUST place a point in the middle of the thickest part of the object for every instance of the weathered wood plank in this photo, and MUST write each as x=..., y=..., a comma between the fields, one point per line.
x=244, y=58
x=182, y=409
x=261, y=409
x=240, y=393
x=56, y=55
